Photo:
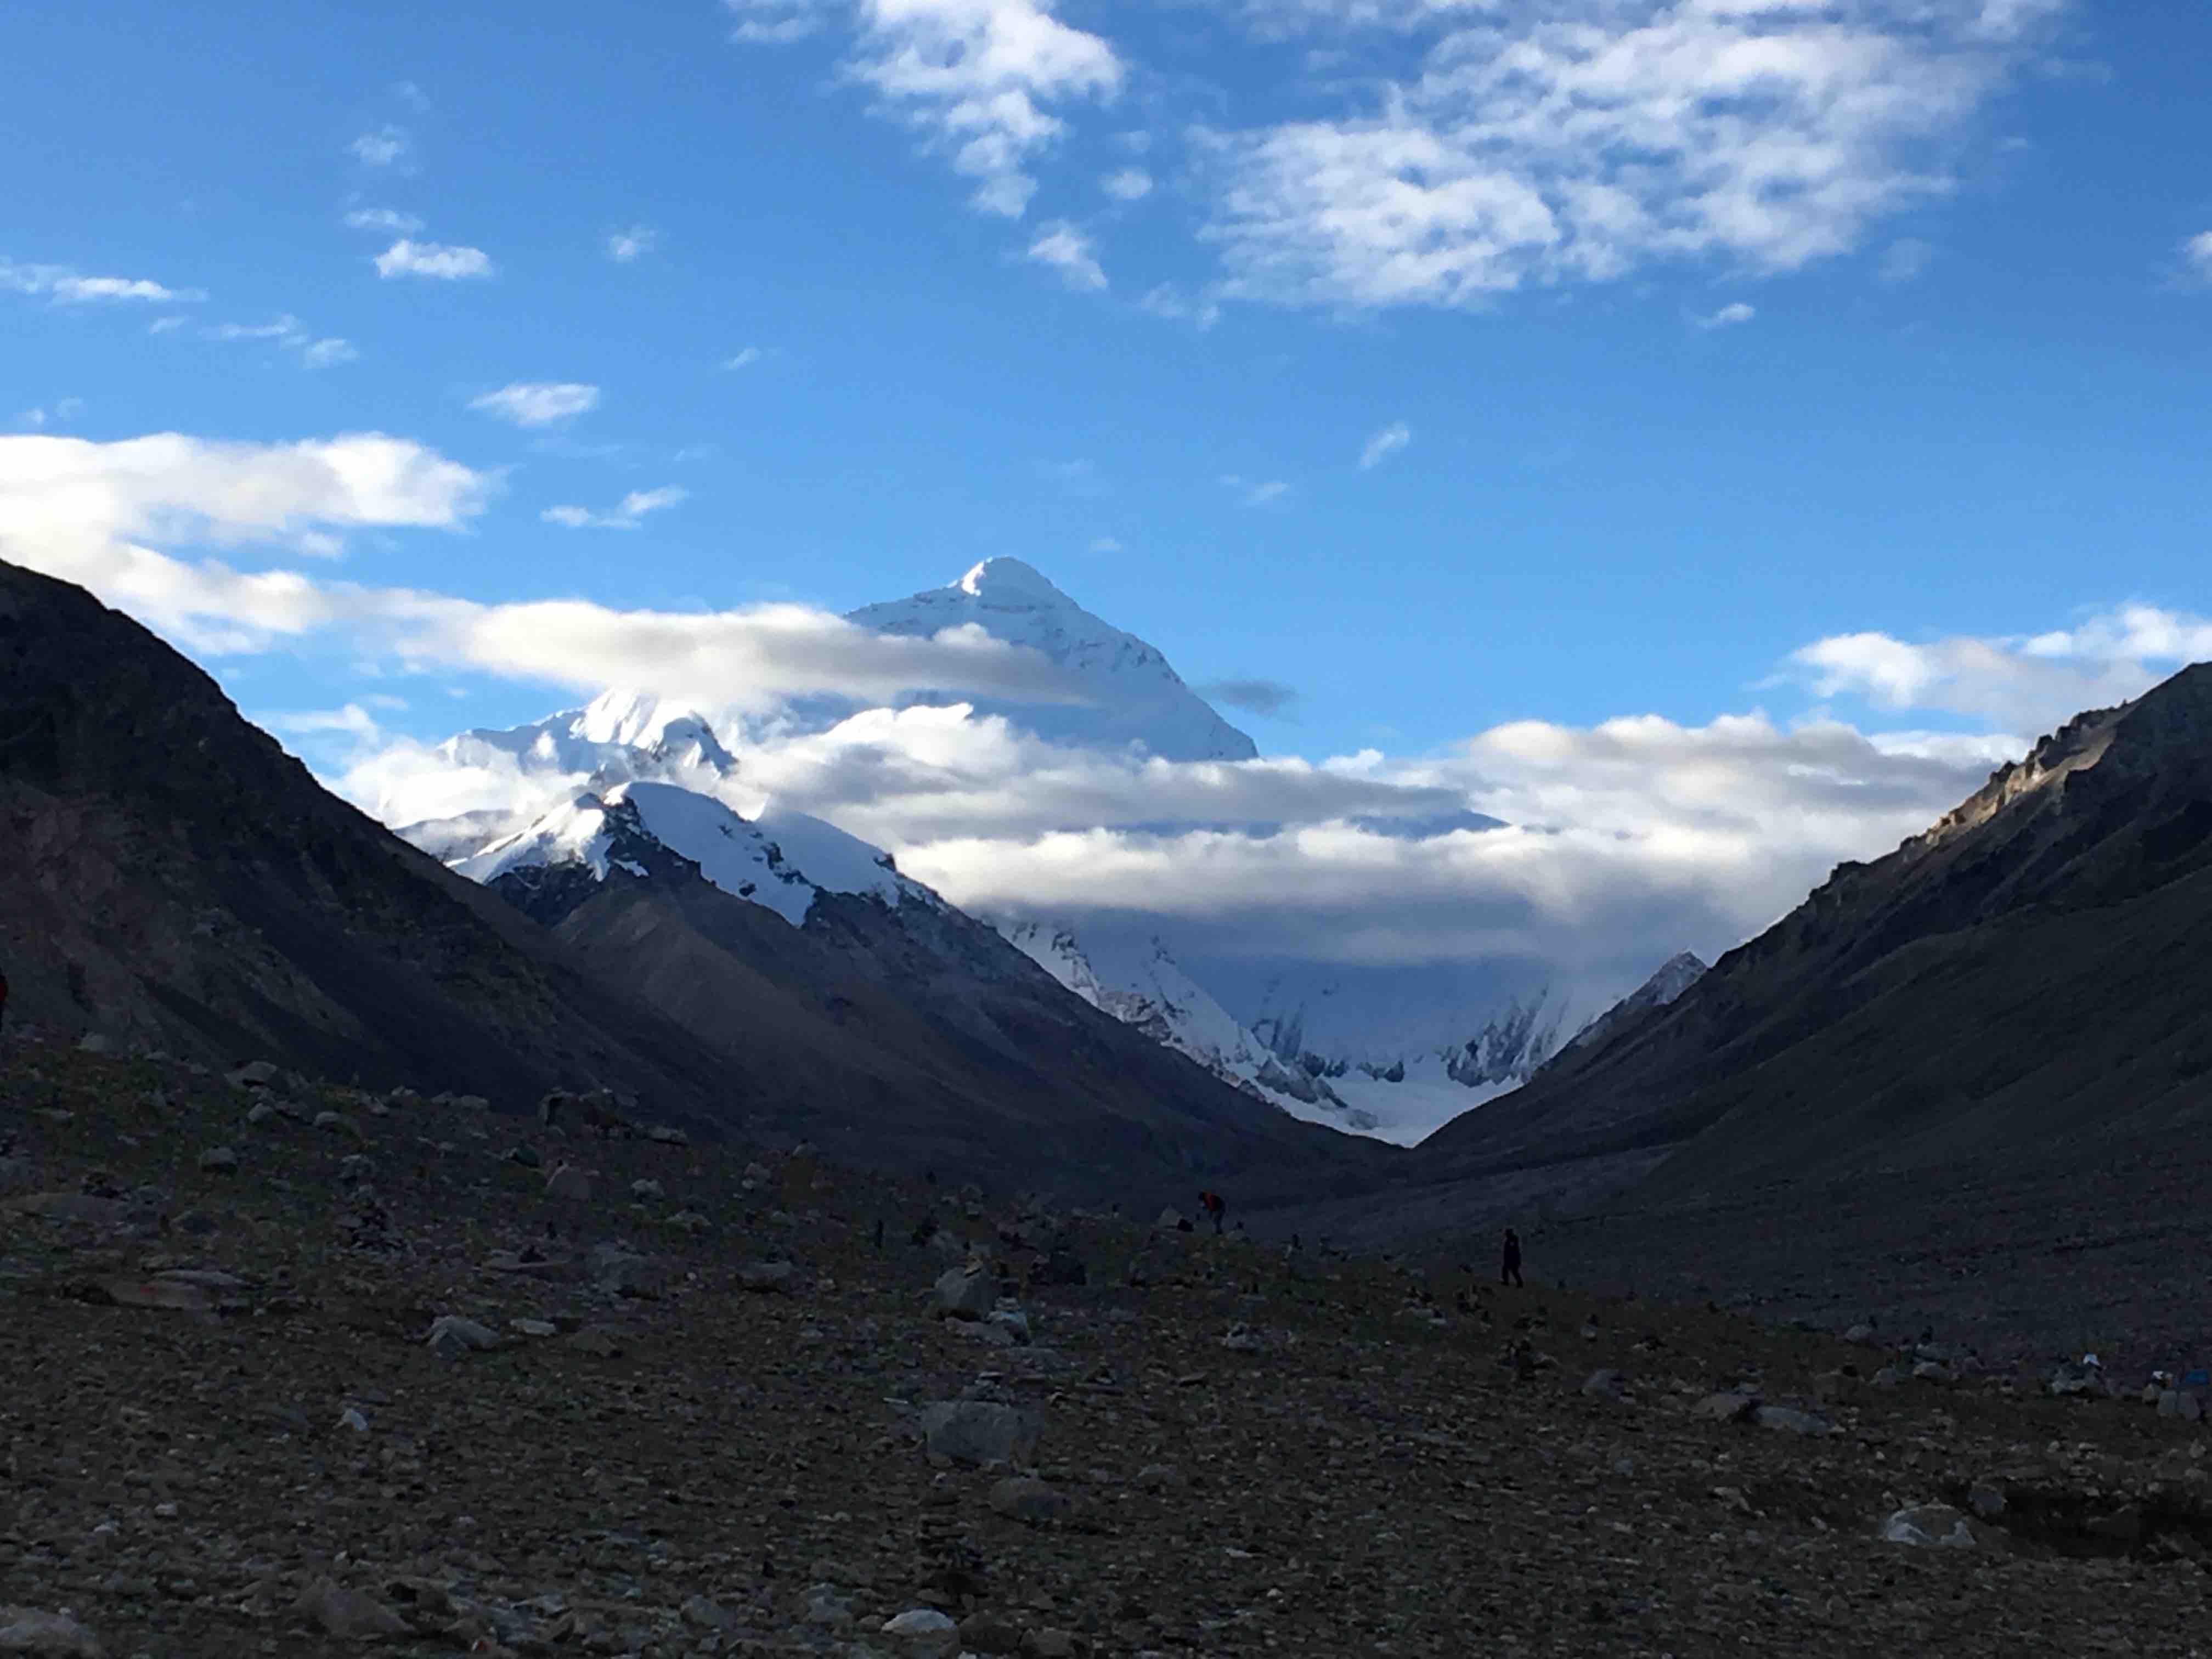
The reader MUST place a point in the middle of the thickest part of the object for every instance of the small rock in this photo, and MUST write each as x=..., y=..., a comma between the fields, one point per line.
x=645, y=1192
x=1859, y=1335
x=662, y=1134
x=1050, y=1644
x=532, y=1327
x=978, y=1432
x=26, y=1630
x=256, y=1075
x=452, y=1337
x=526, y=1156
x=2122, y=1526
x=985, y=1633
x=350, y=1418
x=1602, y=1385
x=925, y=1630
x=1787, y=1421
x=1159, y=1477
x=1033, y=1501
x=1928, y=1526
x=1985, y=1500
x=769, y=1278
x=261, y=1112
x=1726, y=1407
x=599, y=1343
x=338, y=1124
x=219, y=1160
x=349, y=1614
x=707, y=1614
x=95, y=1043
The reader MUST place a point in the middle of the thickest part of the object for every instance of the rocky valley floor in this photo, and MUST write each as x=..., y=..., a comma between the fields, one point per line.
x=292, y=1370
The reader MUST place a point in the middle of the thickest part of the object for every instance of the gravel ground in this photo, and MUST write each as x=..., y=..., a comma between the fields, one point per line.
x=721, y=1415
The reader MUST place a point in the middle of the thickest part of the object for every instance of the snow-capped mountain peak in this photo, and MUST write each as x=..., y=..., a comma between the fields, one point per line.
x=1130, y=696
x=783, y=861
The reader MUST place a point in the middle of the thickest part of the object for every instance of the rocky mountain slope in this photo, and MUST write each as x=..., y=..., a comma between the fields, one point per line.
x=179, y=882
x=859, y=1010
x=382, y=1386
x=2030, y=969
x=173, y=879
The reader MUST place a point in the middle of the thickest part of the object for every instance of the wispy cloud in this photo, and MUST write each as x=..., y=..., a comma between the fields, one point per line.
x=1549, y=141
x=975, y=77
x=1105, y=544
x=62, y=409
x=745, y=359
x=537, y=403
x=1129, y=185
x=1270, y=697
x=1385, y=444
x=1906, y=258
x=438, y=260
x=1731, y=315
x=66, y=287
x=2196, y=253
x=381, y=146
x=289, y=331
x=1068, y=251
x=1252, y=493
x=626, y=515
x=1166, y=300
x=390, y=221
x=624, y=245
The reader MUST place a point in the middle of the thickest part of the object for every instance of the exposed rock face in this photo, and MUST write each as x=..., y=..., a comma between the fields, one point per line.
x=2031, y=965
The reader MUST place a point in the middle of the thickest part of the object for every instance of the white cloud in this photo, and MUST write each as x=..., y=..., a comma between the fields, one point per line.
x=62, y=409
x=2197, y=251
x=381, y=147
x=975, y=77
x=1168, y=300
x=1731, y=315
x=537, y=403
x=745, y=359
x=1069, y=251
x=2029, y=684
x=626, y=515
x=405, y=258
x=624, y=245
x=1385, y=444
x=1580, y=140
x=1255, y=492
x=1129, y=185
x=389, y=221
x=292, y=335
x=66, y=287
x=1105, y=544
x=107, y=515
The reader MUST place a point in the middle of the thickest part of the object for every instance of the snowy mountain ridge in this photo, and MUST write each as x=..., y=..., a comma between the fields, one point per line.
x=1155, y=995
x=781, y=861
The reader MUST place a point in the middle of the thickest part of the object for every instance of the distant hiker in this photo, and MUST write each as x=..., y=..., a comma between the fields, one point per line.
x=1510, y=1274
x=1215, y=1207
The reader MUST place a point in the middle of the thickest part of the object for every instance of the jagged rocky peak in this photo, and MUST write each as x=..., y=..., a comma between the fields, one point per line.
x=1674, y=976
x=2165, y=734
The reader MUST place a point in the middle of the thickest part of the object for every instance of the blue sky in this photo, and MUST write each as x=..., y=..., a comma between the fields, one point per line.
x=1446, y=365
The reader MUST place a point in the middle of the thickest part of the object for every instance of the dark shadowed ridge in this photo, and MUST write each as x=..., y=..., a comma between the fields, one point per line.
x=2031, y=972
x=176, y=880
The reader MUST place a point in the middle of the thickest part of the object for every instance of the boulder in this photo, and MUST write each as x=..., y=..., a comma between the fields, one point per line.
x=569, y=1184
x=1730, y=1407
x=1784, y=1420
x=769, y=1278
x=1928, y=1526
x=662, y=1135
x=452, y=1337
x=1023, y=1498
x=26, y=1630
x=349, y=1614
x=1602, y=1385
x=645, y=1192
x=256, y=1075
x=978, y=1432
x=219, y=1160
x=967, y=1292
x=923, y=1630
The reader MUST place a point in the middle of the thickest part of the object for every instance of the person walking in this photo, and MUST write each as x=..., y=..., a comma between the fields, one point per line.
x=1511, y=1273
x=1215, y=1208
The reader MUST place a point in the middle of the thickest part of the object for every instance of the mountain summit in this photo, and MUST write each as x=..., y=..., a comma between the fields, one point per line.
x=1133, y=697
